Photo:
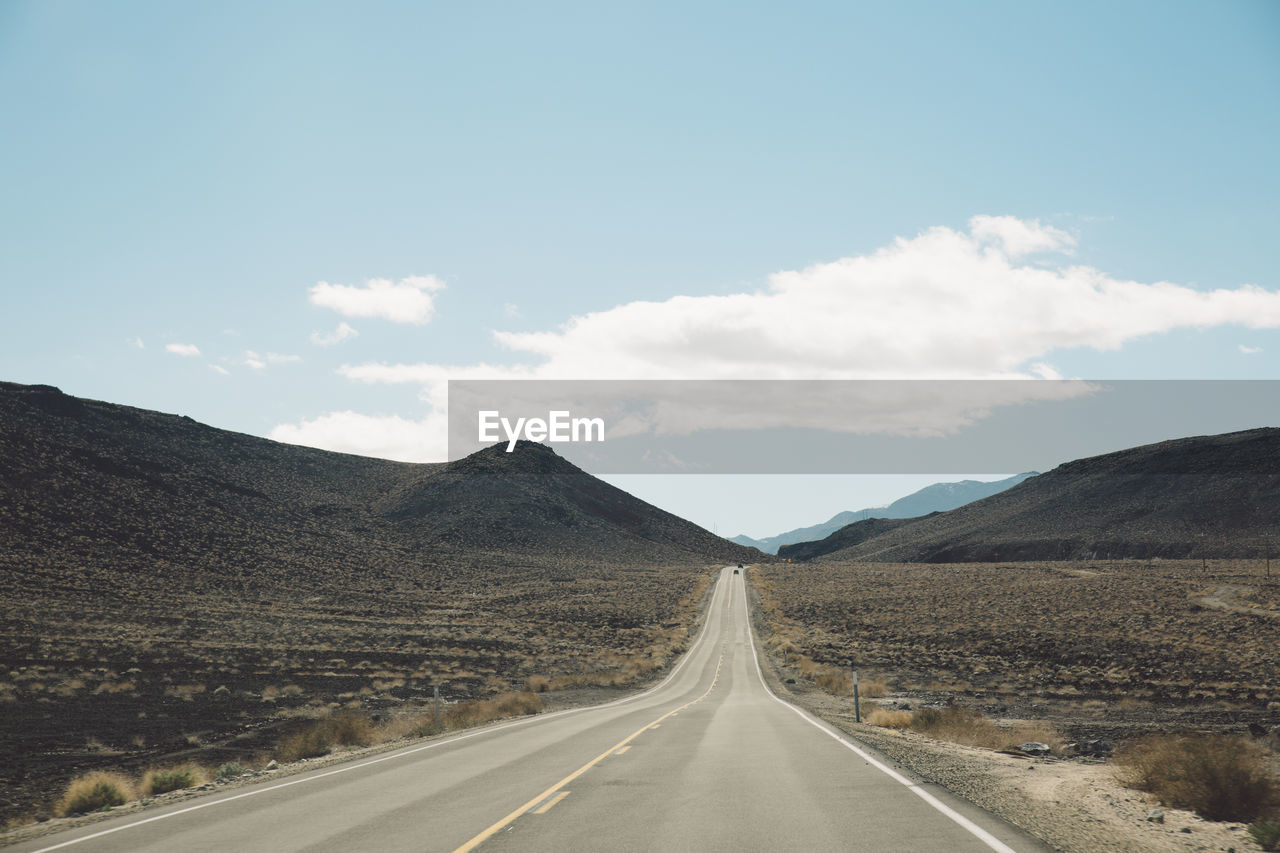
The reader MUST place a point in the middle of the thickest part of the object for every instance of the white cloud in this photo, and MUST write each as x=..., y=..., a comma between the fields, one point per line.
x=216, y=368
x=510, y=309
x=185, y=350
x=137, y=343
x=1016, y=237
x=946, y=304
x=389, y=437
x=337, y=336
x=409, y=300
x=1250, y=350
x=257, y=361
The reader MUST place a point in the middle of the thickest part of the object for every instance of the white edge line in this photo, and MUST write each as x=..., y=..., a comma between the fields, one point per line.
x=685, y=658
x=975, y=830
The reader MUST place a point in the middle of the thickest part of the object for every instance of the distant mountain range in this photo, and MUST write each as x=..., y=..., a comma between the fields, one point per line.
x=89, y=484
x=938, y=497
x=1217, y=496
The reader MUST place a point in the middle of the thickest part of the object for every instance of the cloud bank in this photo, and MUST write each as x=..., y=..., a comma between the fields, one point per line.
x=993, y=301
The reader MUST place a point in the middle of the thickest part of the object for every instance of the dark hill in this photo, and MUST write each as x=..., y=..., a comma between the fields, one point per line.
x=1212, y=495
x=86, y=483
x=846, y=537
x=532, y=498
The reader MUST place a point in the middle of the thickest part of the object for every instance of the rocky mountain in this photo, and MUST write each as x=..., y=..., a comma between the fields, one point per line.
x=88, y=484
x=938, y=497
x=1217, y=496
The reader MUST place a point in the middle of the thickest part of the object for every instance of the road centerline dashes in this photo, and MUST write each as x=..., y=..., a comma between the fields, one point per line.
x=557, y=787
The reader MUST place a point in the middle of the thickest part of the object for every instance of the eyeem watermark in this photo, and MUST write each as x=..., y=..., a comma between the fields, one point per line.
x=558, y=426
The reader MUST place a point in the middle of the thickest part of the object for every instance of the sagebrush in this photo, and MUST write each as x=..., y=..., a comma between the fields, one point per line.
x=1219, y=777
x=95, y=791
x=163, y=780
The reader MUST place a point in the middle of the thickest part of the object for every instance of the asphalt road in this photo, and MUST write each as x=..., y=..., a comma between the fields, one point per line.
x=708, y=760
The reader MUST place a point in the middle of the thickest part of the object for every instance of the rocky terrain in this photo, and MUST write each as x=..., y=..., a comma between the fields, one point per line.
x=1208, y=496
x=171, y=590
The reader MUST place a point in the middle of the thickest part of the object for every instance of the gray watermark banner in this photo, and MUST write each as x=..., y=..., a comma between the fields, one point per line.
x=845, y=426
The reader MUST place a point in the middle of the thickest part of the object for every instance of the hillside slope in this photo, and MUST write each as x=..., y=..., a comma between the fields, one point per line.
x=1213, y=495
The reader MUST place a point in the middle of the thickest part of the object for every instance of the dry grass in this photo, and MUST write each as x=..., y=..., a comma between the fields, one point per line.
x=1266, y=833
x=95, y=791
x=1219, y=777
x=958, y=724
x=163, y=780
x=872, y=689
x=889, y=719
x=321, y=736
x=537, y=684
x=467, y=714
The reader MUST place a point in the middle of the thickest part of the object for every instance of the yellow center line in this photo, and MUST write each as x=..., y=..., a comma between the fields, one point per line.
x=624, y=749
x=497, y=827
x=546, y=807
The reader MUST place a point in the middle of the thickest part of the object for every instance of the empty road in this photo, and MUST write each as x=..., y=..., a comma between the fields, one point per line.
x=708, y=760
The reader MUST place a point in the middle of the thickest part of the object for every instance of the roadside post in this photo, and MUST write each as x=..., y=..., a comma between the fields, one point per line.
x=857, y=709
x=436, y=690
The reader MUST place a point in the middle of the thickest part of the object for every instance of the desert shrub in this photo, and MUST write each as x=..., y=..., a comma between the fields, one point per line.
x=537, y=684
x=424, y=727
x=466, y=714
x=512, y=704
x=171, y=779
x=415, y=725
x=837, y=682
x=952, y=722
x=1267, y=834
x=963, y=725
x=1219, y=777
x=93, y=791
x=321, y=736
x=230, y=770
x=872, y=689
x=889, y=719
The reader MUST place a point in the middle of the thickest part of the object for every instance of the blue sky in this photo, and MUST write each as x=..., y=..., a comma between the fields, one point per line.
x=187, y=176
